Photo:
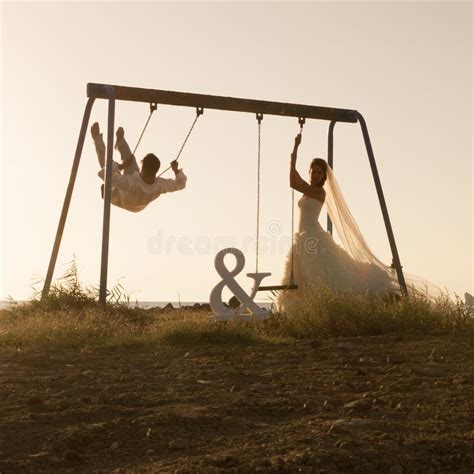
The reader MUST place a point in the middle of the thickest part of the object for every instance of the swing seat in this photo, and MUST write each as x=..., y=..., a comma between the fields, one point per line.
x=278, y=287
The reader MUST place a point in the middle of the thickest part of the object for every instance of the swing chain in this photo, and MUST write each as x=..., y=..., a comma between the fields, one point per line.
x=259, y=117
x=292, y=276
x=199, y=112
x=301, y=121
x=153, y=107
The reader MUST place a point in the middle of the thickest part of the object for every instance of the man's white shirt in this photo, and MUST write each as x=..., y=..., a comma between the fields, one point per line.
x=130, y=192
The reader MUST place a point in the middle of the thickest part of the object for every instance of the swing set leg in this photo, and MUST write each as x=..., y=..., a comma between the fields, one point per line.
x=107, y=198
x=67, y=199
x=378, y=185
x=104, y=261
x=330, y=161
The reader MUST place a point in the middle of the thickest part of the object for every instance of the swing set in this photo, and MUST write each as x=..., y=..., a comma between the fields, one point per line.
x=200, y=102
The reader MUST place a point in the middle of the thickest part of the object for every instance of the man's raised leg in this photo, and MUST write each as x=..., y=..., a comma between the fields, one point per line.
x=99, y=143
x=122, y=146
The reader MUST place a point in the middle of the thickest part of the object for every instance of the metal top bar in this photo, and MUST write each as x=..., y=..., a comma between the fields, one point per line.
x=185, y=99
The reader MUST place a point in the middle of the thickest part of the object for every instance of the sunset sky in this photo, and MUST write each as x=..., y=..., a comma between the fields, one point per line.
x=407, y=67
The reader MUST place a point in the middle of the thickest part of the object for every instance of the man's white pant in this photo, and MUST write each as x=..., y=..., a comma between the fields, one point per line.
x=122, y=147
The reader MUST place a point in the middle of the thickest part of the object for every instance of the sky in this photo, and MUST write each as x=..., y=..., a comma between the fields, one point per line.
x=406, y=66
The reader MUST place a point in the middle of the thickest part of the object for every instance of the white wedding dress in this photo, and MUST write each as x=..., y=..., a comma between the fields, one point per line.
x=317, y=257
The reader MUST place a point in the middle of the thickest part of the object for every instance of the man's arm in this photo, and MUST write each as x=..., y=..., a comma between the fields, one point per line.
x=176, y=184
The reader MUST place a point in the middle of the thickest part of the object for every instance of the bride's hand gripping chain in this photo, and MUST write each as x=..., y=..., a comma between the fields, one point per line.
x=294, y=176
x=295, y=147
x=298, y=140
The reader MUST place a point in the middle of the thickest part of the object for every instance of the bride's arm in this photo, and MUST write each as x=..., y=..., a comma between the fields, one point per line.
x=296, y=181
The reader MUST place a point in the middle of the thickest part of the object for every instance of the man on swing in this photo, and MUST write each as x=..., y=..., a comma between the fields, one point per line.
x=135, y=188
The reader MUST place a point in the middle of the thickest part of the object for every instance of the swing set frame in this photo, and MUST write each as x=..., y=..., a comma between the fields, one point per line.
x=112, y=93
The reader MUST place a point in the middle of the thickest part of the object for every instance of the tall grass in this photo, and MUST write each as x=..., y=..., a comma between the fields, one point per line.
x=71, y=318
x=321, y=311
x=69, y=293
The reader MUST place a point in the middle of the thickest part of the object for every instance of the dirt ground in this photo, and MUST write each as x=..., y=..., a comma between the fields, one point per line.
x=391, y=404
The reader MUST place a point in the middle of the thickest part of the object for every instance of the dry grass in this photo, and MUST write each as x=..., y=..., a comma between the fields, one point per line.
x=72, y=319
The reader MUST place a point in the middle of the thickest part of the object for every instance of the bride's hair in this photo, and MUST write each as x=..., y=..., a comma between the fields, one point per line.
x=321, y=164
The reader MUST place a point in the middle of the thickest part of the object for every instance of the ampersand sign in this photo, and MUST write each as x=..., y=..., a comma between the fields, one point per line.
x=222, y=312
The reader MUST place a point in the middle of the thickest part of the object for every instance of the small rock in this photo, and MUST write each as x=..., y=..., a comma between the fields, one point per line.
x=114, y=445
x=72, y=456
x=397, y=359
x=344, y=386
x=256, y=387
x=379, y=401
x=368, y=361
x=361, y=404
x=346, y=346
x=41, y=455
x=337, y=424
x=328, y=406
x=428, y=372
x=178, y=444
x=366, y=425
x=149, y=452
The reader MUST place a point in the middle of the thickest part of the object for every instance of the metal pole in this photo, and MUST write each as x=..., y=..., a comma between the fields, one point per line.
x=378, y=185
x=186, y=99
x=330, y=161
x=107, y=198
x=67, y=198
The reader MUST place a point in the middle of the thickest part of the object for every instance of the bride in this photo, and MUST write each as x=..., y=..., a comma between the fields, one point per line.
x=315, y=256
